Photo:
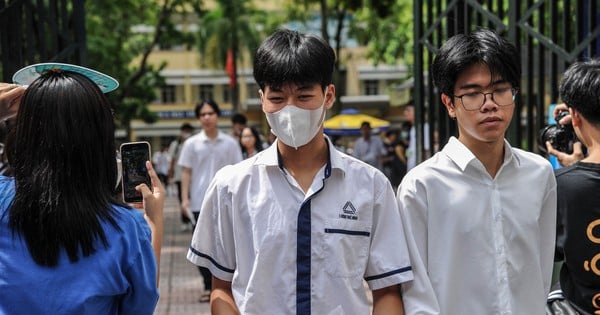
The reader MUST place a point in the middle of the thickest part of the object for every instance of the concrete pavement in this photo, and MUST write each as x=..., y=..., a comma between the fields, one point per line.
x=180, y=281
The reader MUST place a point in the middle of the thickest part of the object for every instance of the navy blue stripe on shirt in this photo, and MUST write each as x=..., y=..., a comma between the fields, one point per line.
x=387, y=274
x=349, y=232
x=211, y=260
x=303, y=250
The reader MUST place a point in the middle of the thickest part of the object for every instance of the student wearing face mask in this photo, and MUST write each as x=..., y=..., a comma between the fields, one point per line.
x=299, y=227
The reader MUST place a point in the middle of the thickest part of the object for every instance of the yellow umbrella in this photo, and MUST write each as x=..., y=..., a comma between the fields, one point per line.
x=348, y=123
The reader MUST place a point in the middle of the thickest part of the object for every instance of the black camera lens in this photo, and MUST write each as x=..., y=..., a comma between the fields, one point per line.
x=561, y=137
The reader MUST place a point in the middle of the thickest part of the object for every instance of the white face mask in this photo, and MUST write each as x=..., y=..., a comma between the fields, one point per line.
x=295, y=126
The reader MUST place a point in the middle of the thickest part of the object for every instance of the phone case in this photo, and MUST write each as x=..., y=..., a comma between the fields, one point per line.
x=133, y=159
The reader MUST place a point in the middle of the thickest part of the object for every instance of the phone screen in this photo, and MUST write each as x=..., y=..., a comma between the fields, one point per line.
x=133, y=159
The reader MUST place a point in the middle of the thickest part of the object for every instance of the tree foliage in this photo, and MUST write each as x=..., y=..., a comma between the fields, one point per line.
x=117, y=48
x=236, y=26
x=386, y=28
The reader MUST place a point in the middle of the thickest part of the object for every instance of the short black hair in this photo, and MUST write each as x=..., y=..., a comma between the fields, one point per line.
x=292, y=57
x=211, y=103
x=580, y=89
x=238, y=118
x=186, y=126
x=365, y=124
x=483, y=46
x=391, y=132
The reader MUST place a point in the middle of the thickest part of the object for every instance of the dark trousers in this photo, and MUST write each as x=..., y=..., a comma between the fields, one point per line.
x=184, y=218
x=206, y=275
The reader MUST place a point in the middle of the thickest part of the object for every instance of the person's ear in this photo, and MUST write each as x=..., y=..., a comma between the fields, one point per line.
x=329, y=96
x=575, y=117
x=261, y=95
x=447, y=101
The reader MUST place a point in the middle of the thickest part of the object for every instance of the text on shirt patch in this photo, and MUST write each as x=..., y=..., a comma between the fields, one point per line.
x=349, y=212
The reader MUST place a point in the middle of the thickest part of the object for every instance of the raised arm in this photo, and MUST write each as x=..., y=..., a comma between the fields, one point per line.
x=154, y=201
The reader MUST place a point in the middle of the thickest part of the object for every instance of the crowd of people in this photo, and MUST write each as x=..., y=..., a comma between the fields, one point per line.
x=294, y=225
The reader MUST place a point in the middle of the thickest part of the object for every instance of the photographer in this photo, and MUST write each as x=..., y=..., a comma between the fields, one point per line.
x=565, y=158
x=577, y=243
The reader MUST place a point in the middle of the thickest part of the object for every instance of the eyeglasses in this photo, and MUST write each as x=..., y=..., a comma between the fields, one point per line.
x=475, y=100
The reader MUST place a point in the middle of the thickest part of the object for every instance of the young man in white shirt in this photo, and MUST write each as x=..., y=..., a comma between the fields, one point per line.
x=481, y=212
x=299, y=227
x=202, y=155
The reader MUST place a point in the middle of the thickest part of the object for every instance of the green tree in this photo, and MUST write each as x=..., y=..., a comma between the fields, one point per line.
x=337, y=11
x=233, y=27
x=386, y=27
x=121, y=34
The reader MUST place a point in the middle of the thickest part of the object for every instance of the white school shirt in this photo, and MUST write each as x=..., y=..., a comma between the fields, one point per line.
x=205, y=157
x=370, y=151
x=290, y=253
x=487, y=244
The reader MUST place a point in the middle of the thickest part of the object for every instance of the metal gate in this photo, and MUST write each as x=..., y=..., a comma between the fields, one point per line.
x=40, y=31
x=550, y=34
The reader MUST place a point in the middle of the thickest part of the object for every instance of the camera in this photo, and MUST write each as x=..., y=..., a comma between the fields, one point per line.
x=561, y=137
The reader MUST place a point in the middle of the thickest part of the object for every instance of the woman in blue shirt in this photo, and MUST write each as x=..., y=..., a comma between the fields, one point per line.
x=67, y=245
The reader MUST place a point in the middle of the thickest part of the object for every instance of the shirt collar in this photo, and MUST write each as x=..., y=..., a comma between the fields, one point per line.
x=204, y=137
x=462, y=156
x=271, y=157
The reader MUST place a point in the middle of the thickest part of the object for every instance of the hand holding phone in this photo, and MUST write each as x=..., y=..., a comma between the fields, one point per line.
x=133, y=159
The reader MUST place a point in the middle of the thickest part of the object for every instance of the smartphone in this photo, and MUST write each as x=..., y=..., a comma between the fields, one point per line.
x=133, y=162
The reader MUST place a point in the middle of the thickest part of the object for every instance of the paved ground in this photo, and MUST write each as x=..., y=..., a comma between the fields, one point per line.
x=180, y=281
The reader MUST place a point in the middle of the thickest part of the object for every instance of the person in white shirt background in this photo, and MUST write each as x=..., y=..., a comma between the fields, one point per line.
x=369, y=148
x=185, y=131
x=299, y=227
x=411, y=151
x=202, y=155
x=481, y=212
x=162, y=161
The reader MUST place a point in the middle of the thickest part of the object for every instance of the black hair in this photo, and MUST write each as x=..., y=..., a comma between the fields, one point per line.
x=365, y=124
x=211, y=103
x=186, y=126
x=391, y=132
x=482, y=46
x=292, y=57
x=62, y=151
x=238, y=118
x=258, y=145
x=580, y=89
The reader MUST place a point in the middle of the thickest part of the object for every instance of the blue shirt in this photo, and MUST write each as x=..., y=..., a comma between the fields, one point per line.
x=120, y=279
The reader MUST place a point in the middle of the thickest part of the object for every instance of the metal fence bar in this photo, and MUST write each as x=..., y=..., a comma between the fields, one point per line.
x=547, y=48
x=41, y=31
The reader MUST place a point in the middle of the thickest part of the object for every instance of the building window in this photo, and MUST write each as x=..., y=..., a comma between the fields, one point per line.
x=206, y=92
x=226, y=93
x=371, y=87
x=167, y=94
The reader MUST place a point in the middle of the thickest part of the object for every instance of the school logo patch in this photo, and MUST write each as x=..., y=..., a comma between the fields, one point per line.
x=349, y=212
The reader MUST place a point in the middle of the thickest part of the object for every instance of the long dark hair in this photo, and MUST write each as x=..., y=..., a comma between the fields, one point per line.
x=62, y=151
x=258, y=145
